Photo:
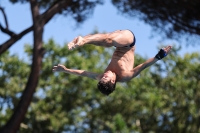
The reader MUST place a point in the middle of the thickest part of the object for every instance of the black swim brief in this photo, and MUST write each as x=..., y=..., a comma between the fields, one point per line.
x=134, y=40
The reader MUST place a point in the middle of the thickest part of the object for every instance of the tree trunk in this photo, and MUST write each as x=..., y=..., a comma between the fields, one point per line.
x=45, y=17
x=13, y=124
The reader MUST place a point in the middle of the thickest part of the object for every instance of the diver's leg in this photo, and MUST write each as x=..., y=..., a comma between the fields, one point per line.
x=119, y=38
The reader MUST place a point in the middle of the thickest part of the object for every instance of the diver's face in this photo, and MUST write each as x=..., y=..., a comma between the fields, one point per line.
x=108, y=76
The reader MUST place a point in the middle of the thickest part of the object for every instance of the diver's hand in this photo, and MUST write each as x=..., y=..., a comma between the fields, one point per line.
x=59, y=68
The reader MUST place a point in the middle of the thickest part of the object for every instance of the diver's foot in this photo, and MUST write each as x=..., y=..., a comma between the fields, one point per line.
x=77, y=42
x=167, y=49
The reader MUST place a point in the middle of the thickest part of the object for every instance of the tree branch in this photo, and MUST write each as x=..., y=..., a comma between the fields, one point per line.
x=6, y=45
x=5, y=18
x=6, y=31
x=45, y=17
x=54, y=9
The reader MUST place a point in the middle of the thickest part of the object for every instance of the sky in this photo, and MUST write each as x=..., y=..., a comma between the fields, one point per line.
x=63, y=29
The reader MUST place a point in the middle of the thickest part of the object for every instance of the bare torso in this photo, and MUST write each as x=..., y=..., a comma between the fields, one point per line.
x=122, y=62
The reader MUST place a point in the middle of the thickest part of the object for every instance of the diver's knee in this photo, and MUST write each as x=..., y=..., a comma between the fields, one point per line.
x=108, y=38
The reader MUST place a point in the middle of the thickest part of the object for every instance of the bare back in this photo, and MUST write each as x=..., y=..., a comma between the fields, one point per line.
x=122, y=62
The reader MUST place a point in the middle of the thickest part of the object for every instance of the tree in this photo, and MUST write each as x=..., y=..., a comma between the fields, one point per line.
x=62, y=100
x=163, y=98
x=175, y=19
x=77, y=9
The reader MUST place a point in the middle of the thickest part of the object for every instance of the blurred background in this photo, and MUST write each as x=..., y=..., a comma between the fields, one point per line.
x=34, y=34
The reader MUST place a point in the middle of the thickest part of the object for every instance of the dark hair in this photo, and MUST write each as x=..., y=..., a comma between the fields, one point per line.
x=106, y=87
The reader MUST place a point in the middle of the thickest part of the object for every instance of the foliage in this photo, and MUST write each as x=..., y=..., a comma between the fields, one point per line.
x=164, y=98
x=13, y=75
x=80, y=10
x=42, y=12
x=153, y=102
x=177, y=19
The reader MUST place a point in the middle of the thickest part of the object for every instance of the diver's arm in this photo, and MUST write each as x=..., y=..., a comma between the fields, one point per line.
x=160, y=55
x=62, y=68
x=136, y=71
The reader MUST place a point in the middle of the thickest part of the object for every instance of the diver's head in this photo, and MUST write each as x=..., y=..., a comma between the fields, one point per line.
x=107, y=83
